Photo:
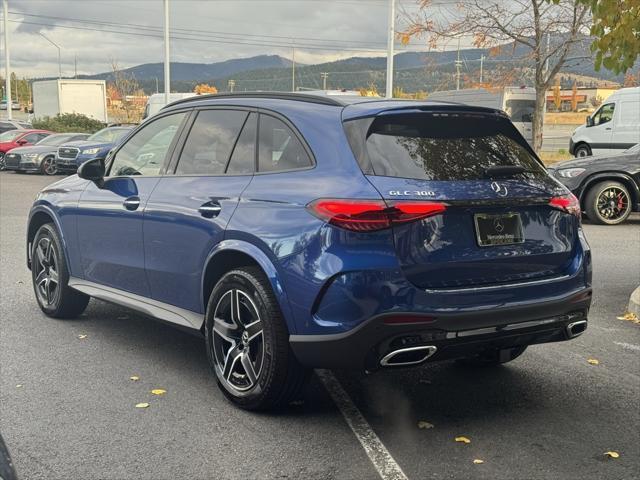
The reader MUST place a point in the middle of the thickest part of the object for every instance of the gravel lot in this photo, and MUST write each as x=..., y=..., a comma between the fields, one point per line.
x=548, y=415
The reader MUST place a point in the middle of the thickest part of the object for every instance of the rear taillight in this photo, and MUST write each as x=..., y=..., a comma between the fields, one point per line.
x=371, y=215
x=567, y=203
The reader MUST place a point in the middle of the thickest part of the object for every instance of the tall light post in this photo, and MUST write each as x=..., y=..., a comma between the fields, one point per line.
x=7, y=67
x=167, y=66
x=390, y=40
x=58, y=47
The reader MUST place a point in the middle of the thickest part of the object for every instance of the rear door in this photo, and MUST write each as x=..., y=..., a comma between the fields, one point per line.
x=497, y=227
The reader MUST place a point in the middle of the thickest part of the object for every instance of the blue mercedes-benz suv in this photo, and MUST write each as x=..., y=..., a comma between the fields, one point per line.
x=296, y=231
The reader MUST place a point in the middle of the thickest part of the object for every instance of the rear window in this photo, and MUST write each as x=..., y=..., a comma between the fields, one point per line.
x=438, y=146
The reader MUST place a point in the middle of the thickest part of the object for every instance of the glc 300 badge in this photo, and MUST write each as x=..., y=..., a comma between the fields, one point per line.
x=411, y=193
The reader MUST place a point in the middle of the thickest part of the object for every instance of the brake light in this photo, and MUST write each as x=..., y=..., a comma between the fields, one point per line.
x=567, y=203
x=371, y=215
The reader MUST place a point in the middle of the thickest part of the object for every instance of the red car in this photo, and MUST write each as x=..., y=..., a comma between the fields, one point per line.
x=19, y=138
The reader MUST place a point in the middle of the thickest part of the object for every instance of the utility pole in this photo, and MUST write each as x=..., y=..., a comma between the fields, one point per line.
x=481, y=65
x=231, y=84
x=458, y=65
x=58, y=47
x=324, y=76
x=157, y=85
x=7, y=67
x=75, y=65
x=167, y=66
x=390, y=40
x=293, y=68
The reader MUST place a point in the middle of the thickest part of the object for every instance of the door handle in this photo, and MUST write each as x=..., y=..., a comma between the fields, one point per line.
x=131, y=203
x=210, y=209
x=608, y=128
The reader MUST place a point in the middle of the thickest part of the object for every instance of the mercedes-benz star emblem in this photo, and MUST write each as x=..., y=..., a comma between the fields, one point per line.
x=499, y=189
x=498, y=226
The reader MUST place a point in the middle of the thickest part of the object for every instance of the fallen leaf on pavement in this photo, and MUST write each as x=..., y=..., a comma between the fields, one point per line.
x=82, y=337
x=424, y=425
x=463, y=440
x=593, y=361
x=630, y=317
x=612, y=454
x=477, y=461
x=158, y=391
x=142, y=405
x=134, y=378
x=19, y=385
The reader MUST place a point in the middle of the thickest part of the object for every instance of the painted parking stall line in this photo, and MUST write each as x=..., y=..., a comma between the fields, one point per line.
x=384, y=463
x=628, y=346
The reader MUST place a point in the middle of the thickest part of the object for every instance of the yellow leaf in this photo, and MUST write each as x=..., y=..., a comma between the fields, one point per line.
x=630, y=317
x=19, y=386
x=612, y=454
x=158, y=391
x=477, y=461
x=463, y=440
x=593, y=361
x=134, y=378
x=142, y=405
x=82, y=337
x=424, y=425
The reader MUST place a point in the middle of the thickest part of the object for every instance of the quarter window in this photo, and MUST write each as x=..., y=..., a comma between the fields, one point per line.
x=280, y=149
x=145, y=152
x=210, y=142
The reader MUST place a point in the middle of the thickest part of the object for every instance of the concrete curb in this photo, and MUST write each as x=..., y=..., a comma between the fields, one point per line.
x=634, y=302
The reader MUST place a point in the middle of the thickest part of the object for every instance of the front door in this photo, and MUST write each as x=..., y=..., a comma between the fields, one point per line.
x=110, y=215
x=601, y=133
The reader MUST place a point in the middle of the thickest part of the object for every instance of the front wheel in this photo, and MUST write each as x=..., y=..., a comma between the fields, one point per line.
x=582, y=150
x=608, y=203
x=248, y=343
x=48, y=166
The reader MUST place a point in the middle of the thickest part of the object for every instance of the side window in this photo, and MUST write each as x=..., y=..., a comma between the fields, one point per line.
x=605, y=114
x=244, y=154
x=145, y=152
x=32, y=137
x=210, y=142
x=279, y=148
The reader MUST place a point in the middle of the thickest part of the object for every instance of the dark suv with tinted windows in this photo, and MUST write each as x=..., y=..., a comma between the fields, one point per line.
x=297, y=231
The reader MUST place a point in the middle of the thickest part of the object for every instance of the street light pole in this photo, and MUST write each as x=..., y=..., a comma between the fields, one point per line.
x=58, y=47
x=7, y=67
x=390, y=41
x=167, y=66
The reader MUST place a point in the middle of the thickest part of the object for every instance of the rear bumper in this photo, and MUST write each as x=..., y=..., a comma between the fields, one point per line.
x=454, y=335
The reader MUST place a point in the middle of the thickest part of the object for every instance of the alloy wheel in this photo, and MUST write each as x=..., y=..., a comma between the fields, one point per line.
x=46, y=272
x=613, y=204
x=49, y=166
x=238, y=340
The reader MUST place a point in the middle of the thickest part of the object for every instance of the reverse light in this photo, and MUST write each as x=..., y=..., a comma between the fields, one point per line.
x=372, y=215
x=567, y=203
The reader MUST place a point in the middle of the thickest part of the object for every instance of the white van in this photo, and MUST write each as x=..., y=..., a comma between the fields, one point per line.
x=614, y=127
x=156, y=101
x=517, y=102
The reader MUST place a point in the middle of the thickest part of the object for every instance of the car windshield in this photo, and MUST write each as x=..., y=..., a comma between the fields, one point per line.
x=10, y=135
x=54, y=140
x=108, y=135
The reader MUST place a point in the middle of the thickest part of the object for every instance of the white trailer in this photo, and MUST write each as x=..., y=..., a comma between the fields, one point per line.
x=517, y=102
x=87, y=97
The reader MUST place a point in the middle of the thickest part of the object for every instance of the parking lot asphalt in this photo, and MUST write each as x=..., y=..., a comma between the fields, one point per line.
x=67, y=404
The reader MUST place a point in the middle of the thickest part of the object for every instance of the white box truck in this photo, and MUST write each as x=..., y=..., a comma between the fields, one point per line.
x=517, y=102
x=53, y=97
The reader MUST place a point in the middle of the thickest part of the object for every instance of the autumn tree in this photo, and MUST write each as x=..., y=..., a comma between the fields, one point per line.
x=203, y=88
x=557, y=98
x=523, y=23
x=125, y=85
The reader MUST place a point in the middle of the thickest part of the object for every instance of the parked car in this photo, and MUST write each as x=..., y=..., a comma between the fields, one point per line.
x=296, y=231
x=40, y=157
x=614, y=127
x=73, y=154
x=14, y=105
x=608, y=186
x=6, y=125
x=19, y=138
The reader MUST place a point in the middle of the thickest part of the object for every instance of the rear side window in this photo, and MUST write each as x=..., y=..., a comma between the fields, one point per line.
x=280, y=149
x=439, y=146
x=243, y=159
x=210, y=142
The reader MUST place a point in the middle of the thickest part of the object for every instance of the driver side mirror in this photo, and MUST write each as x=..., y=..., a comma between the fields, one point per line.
x=589, y=121
x=22, y=142
x=93, y=170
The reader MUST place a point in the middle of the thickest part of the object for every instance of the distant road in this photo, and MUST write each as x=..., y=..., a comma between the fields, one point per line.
x=556, y=137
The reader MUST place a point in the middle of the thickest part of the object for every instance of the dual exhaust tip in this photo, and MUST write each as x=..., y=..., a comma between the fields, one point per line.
x=576, y=328
x=408, y=356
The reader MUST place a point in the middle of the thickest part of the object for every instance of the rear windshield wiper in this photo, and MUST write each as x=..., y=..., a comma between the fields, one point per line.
x=504, y=170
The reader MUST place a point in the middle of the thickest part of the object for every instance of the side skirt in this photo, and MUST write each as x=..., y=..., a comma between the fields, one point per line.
x=148, y=306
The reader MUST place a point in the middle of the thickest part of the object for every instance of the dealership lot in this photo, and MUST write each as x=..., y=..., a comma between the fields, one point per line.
x=549, y=414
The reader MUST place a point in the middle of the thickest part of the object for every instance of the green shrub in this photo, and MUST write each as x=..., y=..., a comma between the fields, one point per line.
x=68, y=122
x=562, y=151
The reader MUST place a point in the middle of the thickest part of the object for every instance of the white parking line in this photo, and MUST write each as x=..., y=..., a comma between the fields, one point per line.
x=382, y=460
x=628, y=346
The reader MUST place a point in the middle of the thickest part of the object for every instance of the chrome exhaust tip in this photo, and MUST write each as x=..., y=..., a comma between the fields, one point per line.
x=576, y=328
x=408, y=356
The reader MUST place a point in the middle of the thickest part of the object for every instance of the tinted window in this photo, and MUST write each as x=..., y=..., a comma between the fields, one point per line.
x=34, y=137
x=430, y=147
x=146, y=151
x=210, y=142
x=280, y=149
x=244, y=154
x=11, y=135
x=605, y=114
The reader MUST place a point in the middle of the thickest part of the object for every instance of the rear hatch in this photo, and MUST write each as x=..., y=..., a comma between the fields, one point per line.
x=504, y=218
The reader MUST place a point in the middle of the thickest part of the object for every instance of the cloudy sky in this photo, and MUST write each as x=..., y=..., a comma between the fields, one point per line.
x=130, y=31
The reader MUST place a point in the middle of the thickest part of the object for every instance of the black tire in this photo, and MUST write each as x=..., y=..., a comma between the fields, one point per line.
x=6, y=466
x=582, y=150
x=608, y=203
x=276, y=377
x=48, y=166
x=494, y=357
x=48, y=258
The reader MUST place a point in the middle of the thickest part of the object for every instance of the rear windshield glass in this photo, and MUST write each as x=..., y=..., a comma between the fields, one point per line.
x=439, y=147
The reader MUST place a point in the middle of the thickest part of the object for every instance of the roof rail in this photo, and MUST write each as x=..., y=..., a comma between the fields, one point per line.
x=299, y=97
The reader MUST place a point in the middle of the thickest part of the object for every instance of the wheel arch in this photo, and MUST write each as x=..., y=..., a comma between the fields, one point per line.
x=626, y=180
x=230, y=254
x=580, y=143
x=38, y=216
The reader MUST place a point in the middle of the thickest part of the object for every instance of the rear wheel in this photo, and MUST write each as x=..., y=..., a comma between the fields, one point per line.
x=48, y=166
x=248, y=343
x=582, y=150
x=51, y=277
x=608, y=203
x=493, y=357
